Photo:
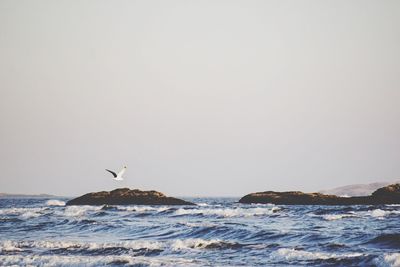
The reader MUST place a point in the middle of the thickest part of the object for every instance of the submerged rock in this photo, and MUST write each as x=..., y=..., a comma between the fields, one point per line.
x=386, y=195
x=126, y=196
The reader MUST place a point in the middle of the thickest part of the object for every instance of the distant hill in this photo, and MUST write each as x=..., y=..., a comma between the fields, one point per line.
x=25, y=196
x=357, y=189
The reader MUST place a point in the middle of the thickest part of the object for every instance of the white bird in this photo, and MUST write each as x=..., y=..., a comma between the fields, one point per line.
x=118, y=176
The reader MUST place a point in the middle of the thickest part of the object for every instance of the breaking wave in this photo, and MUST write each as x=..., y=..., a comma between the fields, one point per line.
x=100, y=260
x=93, y=248
x=227, y=212
x=199, y=243
x=84, y=247
x=374, y=213
x=55, y=202
x=24, y=213
x=389, y=260
x=290, y=254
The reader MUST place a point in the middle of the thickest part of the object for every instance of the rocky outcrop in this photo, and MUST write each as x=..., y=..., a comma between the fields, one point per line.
x=355, y=190
x=125, y=196
x=386, y=195
x=390, y=193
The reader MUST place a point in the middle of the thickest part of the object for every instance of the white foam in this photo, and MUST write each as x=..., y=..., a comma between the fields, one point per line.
x=20, y=245
x=141, y=209
x=228, y=212
x=24, y=213
x=290, y=254
x=260, y=204
x=179, y=244
x=193, y=243
x=139, y=244
x=378, y=213
x=332, y=217
x=77, y=211
x=9, y=246
x=55, y=202
x=393, y=259
x=197, y=224
x=388, y=260
x=55, y=260
x=30, y=214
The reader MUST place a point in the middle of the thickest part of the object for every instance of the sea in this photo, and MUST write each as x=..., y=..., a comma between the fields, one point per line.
x=216, y=232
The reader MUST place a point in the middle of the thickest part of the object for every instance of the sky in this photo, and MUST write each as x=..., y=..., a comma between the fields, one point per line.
x=198, y=98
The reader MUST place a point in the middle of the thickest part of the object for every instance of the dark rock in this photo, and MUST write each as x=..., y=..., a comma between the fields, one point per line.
x=125, y=196
x=390, y=192
x=386, y=195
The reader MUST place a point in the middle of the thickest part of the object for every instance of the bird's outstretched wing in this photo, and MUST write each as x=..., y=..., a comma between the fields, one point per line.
x=121, y=172
x=113, y=173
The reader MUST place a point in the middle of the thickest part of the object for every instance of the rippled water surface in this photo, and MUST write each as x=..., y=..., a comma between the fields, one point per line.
x=216, y=232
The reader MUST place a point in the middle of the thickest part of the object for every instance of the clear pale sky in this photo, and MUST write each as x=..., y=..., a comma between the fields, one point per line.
x=209, y=98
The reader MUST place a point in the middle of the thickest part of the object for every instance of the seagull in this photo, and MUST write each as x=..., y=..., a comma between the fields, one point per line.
x=118, y=176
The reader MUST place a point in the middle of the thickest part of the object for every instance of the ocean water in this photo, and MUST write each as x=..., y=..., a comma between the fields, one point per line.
x=217, y=232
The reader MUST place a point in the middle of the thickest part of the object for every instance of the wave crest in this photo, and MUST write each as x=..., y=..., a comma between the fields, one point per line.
x=228, y=212
x=198, y=243
x=290, y=254
x=57, y=260
x=24, y=213
x=71, y=245
x=55, y=202
x=375, y=213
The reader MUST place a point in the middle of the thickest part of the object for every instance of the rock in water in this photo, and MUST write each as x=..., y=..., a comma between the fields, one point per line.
x=390, y=193
x=125, y=196
x=386, y=195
